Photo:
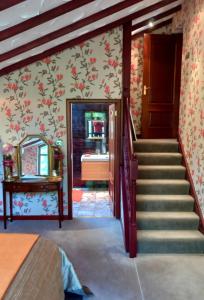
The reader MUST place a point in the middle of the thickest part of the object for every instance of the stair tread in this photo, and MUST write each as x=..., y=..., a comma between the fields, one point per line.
x=146, y=197
x=170, y=234
x=161, y=167
x=162, y=181
x=166, y=215
x=154, y=141
x=175, y=154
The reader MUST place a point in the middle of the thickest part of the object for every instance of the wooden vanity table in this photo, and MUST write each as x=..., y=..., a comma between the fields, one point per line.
x=35, y=186
x=38, y=169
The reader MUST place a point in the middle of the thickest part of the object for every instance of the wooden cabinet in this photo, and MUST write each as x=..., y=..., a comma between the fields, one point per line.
x=95, y=170
x=32, y=186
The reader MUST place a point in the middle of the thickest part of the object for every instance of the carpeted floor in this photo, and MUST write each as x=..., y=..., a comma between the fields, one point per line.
x=95, y=247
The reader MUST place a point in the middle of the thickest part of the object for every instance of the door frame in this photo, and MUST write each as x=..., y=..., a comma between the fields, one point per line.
x=118, y=103
x=173, y=106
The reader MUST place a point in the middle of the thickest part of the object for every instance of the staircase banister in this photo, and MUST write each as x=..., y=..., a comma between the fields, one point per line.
x=130, y=137
x=130, y=165
x=134, y=168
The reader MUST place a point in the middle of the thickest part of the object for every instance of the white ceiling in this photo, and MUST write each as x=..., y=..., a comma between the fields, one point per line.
x=32, y=8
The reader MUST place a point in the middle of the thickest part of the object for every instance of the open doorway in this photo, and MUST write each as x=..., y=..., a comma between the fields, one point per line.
x=93, y=158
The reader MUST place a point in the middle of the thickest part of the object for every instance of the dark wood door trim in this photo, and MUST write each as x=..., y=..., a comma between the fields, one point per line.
x=69, y=103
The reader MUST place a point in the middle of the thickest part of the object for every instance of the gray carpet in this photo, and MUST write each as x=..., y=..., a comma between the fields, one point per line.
x=166, y=219
x=95, y=247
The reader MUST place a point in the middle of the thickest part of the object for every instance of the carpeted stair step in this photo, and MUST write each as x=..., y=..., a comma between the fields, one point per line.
x=149, y=145
x=148, y=158
x=167, y=220
x=170, y=241
x=164, y=202
x=165, y=187
x=161, y=172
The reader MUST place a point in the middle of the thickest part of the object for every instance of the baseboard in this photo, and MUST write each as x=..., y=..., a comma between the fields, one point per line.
x=197, y=208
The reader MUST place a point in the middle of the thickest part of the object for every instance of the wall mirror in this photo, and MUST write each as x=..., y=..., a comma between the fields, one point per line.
x=36, y=158
x=95, y=125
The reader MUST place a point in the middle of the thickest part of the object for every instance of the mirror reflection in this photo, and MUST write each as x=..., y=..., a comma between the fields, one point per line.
x=95, y=125
x=34, y=155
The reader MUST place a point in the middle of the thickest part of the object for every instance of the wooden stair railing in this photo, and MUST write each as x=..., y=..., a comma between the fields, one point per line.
x=129, y=171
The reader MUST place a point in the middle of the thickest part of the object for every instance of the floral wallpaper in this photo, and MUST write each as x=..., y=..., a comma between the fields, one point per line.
x=192, y=92
x=136, y=81
x=33, y=101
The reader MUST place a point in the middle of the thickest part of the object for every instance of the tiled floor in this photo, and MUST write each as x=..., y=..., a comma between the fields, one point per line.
x=93, y=204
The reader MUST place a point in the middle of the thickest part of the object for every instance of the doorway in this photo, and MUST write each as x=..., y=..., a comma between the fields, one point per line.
x=161, y=85
x=93, y=158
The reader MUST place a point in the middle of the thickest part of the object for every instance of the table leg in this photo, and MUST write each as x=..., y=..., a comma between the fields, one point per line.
x=59, y=207
x=62, y=206
x=4, y=204
x=11, y=206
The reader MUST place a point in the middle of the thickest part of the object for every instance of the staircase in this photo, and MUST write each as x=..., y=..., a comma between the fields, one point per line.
x=166, y=221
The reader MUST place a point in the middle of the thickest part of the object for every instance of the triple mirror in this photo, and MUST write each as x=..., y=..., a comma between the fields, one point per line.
x=36, y=158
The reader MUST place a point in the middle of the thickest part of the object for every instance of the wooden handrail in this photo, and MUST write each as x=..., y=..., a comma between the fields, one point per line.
x=129, y=175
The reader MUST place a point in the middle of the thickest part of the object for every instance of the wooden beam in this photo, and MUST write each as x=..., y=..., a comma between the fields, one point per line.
x=42, y=18
x=83, y=38
x=9, y=3
x=155, y=18
x=67, y=29
x=149, y=30
x=126, y=59
x=61, y=47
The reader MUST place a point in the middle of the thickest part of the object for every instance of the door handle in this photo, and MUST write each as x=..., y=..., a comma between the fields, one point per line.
x=145, y=90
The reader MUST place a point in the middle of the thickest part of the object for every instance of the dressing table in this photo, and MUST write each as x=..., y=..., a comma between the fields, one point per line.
x=39, y=169
x=32, y=186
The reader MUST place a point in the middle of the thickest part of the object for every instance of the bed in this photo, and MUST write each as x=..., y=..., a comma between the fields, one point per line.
x=32, y=267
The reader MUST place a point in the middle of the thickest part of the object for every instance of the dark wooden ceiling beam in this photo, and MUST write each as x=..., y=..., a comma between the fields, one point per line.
x=65, y=30
x=149, y=30
x=156, y=18
x=54, y=50
x=86, y=21
x=9, y=3
x=42, y=18
x=82, y=38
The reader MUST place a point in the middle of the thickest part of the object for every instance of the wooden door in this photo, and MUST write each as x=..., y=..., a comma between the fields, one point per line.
x=112, y=155
x=161, y=85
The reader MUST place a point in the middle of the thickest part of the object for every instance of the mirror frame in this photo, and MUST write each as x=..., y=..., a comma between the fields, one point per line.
x=50, y=155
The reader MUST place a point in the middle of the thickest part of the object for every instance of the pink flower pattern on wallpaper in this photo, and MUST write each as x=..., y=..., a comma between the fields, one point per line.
x=112, y=65
x=17, y=104
x=136, y=79
x=90, y=73
x=192, y=93
x=87, y=62
x=33, y=101
x=51, y=89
